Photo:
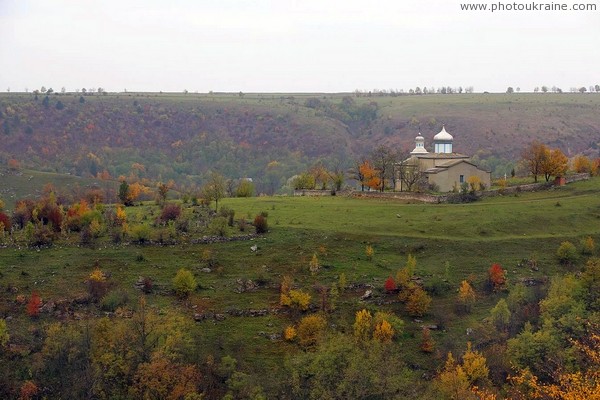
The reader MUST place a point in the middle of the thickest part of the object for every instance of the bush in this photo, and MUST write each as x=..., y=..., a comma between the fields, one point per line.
x=567, y=253
x=140, y=234
x=113, y=300
x=588, y=246
x=260, y=224
x=184, y=283
x=218, y=226
x=170, y=212
x=310, y=330
x=5, y=221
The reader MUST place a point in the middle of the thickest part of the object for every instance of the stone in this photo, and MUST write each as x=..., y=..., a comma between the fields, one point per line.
x=206, y=270
x=368, y=294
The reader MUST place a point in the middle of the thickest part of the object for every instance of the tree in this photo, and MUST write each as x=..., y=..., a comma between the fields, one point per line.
x=534, y=156
x=383, y=161
x=163, y=189
x=466, y=296
x=427, y=343
x=363, y=322
x=418, y=302
x=124, y=193
x=214, y=190
x=383, y=332
x=566, y=252
x=314, y=264
x=311, y=329
x=369, y=176
x=163, y=379
x=496, y=276
x=582, y=164
x=369, y=252
x=410, y=173
x=555, y=163
x=184, y=283
x=510, y=90
x=501, y=315
x=34, y=304
x=390, y=284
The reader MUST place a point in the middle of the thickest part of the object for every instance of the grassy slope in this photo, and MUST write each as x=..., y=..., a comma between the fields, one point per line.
x=470, y=237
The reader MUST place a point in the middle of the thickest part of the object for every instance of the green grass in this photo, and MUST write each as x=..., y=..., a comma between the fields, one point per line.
x=470, y=237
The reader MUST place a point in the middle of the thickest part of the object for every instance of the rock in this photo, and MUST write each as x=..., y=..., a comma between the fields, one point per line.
x=274, y=337
x=432, y=327
x=49, y=307
x=207, y=270
x=219, y=317
x=254, y=248
x=368, y=294
x=469, y=331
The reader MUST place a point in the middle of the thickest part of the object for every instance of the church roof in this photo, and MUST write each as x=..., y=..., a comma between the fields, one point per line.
x=443, y=135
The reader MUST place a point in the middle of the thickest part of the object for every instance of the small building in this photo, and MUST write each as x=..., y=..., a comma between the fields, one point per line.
x=443, y=169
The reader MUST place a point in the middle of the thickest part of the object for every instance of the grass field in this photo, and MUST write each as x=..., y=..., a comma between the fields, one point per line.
x=469, y=237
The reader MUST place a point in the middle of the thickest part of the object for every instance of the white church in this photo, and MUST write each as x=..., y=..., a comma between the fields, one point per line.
x=443, y=168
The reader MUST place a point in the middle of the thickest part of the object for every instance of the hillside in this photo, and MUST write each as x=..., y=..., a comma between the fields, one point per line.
x=271, y=137
x=86, y=343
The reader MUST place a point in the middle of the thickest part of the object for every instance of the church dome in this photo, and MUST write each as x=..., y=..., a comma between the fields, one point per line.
x=443, y=135
x=419, y=145
x=442, y=142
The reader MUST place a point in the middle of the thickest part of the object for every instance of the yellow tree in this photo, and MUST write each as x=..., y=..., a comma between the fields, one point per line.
x=466, y=296
x=418, y=302
x=383, y=332
x=314, y=264
x=311, y=329
x=362, y=325
x=554, y=164
x=582, y=164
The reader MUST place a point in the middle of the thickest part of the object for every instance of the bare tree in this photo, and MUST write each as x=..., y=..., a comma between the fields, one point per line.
x=384, y=159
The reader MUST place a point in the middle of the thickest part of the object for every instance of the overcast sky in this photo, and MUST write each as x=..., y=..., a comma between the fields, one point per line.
x=292, y=46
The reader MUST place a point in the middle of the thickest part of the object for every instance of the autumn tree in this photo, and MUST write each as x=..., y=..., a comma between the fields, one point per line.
x=370, y=177
x=567, y=252
x=383, y=332
x=163, y=379
x=34, y=304
x=363, y=322
x=369, y=252
x=496, y=276
x=555, y=163
x=390, y=285
x=466, y=296
x=97, y=284
x=311, y=329
x=418, y=302
x=427, y=342
x=533, y=157
x=582, y=164
x=163, y=190
x=184, y=283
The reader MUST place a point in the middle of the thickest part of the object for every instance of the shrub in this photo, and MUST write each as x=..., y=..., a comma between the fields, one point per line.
x=567, y=253
x=140, y=234
x=5, y=221
x=289, y=333
x=260, y=224
x=34, y=304
x=97, y=284
x=170, y=212
x=113, y=300
x=218, y=226
x=184, y=283
x=588, y=246
x=299, y=299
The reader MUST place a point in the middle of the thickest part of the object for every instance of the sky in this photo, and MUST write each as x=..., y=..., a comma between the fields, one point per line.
x=293, y=46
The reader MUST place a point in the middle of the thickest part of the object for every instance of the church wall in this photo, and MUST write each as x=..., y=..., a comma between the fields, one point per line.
x=447, y=179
